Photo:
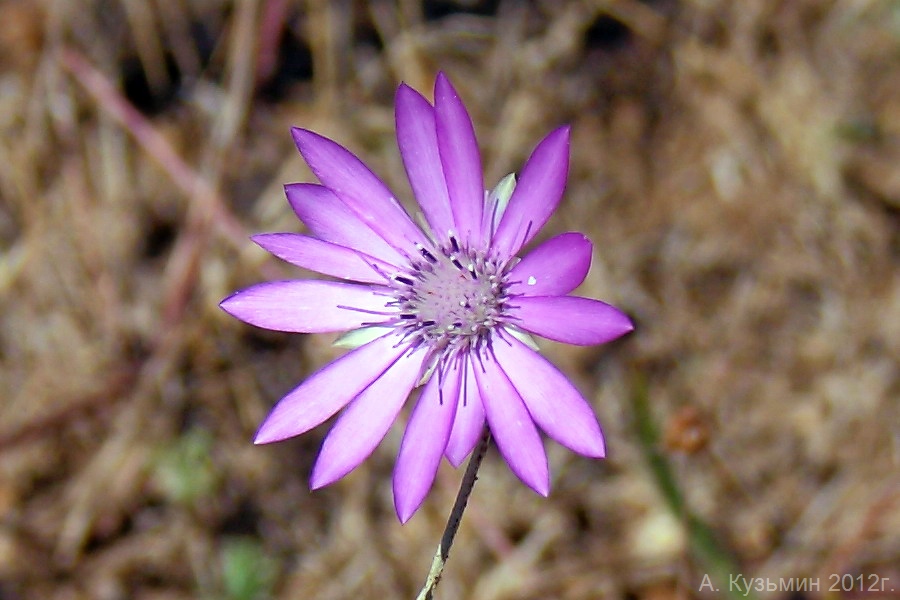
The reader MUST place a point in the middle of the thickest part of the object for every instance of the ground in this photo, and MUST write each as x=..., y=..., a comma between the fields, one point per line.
x=734, y=163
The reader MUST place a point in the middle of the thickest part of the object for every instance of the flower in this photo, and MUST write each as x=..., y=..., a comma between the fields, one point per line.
x=447, y=306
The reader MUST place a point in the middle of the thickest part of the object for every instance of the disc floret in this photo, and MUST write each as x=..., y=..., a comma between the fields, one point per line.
x=452, y=297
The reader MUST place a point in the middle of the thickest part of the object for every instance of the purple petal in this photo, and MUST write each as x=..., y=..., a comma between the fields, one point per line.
x=324, y=257
x=469, y=421
x=554, y=268
x=424, y=441
x=537, y=193
x=366, y=421
x=328, y=390
x=461, y=161
x=308, y=306
x=553, y=402
x=363, y=193
x=331, y=220
x=570, y=319
x=417, y=139
x=512, y=427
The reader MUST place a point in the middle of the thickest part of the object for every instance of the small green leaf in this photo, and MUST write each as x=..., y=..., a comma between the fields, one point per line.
x=185, y=471
x=247, y=573
x=523, y=337
x=360, y=337
x=499, y=197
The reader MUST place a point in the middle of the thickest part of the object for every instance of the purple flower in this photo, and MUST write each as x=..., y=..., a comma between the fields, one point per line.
x=449, y=306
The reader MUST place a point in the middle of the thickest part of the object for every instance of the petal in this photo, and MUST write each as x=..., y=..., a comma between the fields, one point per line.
x=552, y=401
x=366, y=421
x=554, y=268
x=324, y=257
x=424, y=441
x=417, y=139
x=328, y=390
x=538, y=191
x=512, y=427
x=331, y=220
x=469, y=421
x=570, y=319
x=461, y=161
x=363, y=193
x=308, y=306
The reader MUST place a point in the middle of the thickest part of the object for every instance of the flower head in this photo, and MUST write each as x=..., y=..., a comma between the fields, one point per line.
x=448, y=306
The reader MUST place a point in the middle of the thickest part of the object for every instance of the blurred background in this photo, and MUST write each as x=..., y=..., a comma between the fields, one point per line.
x=737, y=165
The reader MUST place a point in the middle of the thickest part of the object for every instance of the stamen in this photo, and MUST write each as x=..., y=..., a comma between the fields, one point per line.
x=527, y=230
x=426, y=254
x=440, y=369
x=364, y=310
x=436, y=307
x=465, y=381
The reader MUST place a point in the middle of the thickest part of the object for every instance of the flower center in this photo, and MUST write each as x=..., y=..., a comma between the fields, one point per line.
x=453, y=296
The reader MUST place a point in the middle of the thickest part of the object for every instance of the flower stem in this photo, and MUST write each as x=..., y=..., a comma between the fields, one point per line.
x=462, y=497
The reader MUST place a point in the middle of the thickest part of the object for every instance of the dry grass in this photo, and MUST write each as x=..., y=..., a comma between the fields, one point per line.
x=734, y=162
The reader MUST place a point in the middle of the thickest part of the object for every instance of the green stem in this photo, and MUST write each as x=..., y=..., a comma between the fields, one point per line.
x=462, y=498
x=704, y=544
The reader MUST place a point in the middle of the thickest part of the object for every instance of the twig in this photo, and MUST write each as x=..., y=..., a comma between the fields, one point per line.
x=50, y=425
x=462, y=498
x=186, y=178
